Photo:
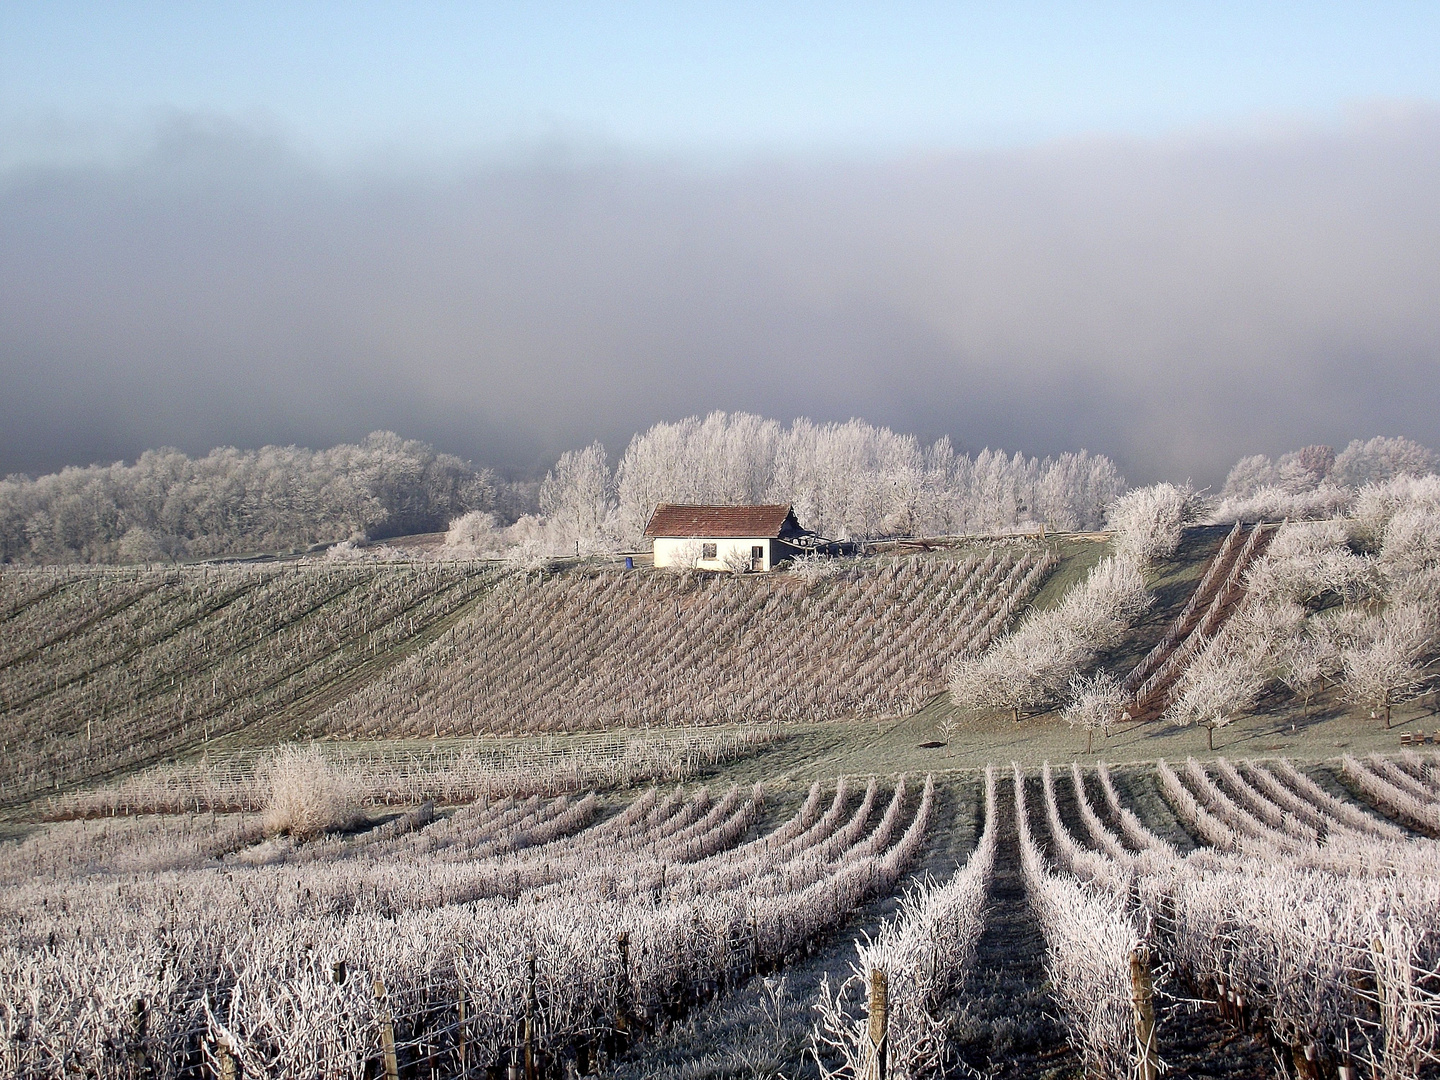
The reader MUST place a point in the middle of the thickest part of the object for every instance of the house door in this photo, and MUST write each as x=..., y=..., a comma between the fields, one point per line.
x=757, y=558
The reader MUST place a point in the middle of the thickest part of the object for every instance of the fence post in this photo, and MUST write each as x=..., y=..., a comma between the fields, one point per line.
x=225, y=1060
x=530, y=1070
x=139, y=1054
x=879, y=1020
x=1143, y=995
x=387, y=1032
x=461, y=1046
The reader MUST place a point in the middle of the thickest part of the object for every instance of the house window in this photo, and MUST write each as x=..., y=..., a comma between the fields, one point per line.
x=757, y=553
x=707, y=551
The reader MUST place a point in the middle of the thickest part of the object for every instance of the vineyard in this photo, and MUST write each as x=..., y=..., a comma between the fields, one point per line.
x=103, y=670
x=1214, y=599
x=589, y=650
x=557, y=919
x=1286, y=913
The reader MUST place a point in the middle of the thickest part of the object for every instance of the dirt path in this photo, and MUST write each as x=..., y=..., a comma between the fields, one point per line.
x=762, y=1029
x=1009, y=1026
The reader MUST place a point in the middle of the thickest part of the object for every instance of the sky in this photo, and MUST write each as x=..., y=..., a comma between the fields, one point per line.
x=1171, y=233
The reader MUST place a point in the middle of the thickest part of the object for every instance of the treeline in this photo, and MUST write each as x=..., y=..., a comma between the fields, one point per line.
x=1315, y=481
x=846, y=481
x=278, y=498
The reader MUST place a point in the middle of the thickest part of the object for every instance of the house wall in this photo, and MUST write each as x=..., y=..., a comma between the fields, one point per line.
x=670, y=550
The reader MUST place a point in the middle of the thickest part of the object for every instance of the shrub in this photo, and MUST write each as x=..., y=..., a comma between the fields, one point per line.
x=1148, y=521
x=308, y=795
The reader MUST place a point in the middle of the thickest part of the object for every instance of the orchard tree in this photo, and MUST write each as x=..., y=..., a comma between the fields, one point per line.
x=1384, y=668
x=1215, y=689
x=1148, y=521
x=1097, y=703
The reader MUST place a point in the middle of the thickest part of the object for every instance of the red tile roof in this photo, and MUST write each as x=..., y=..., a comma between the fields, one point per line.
x=760, y=522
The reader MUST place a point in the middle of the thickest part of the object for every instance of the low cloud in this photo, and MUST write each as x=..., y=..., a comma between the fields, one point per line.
x=1174, y=304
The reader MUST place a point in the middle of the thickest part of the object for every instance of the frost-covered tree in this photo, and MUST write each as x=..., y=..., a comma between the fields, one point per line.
x=1303, y=660
x=856, y=480
x=1383, y=666
x=577, y=499
x=229, y=501
x=1308, y=560
x=1381, y=459
x=1149, y=521
x=1316, y=482
x=1097, y=703
x=1215, y=689
x=140, y=545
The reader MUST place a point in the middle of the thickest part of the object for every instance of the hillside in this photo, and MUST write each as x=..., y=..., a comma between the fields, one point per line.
x=490, y=832
x=602, y=647
x=107, y=671
x=102, y=671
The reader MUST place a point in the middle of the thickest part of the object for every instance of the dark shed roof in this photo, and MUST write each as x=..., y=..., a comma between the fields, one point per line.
x=679, y=519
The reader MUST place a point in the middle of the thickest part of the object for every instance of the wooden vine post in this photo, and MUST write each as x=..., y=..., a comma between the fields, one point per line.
x=461, y=1045
x=387, y=1032
x=139, y=1052
x=530, y=1069
x=879, y=1005
x=225, y=1061
x=1142, y=994
x=626, y=1004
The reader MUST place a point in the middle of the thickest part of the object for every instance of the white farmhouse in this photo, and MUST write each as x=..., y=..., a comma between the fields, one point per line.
x=706, y=536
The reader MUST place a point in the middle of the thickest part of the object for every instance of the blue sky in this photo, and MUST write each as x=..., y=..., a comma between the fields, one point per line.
x=436, y=79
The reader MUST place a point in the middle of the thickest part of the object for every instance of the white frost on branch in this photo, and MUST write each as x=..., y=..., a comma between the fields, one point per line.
x=1033, y=665
x=1148, y=521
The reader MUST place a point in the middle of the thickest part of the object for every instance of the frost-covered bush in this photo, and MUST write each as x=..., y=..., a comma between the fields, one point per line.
x=474, y=534
x=1277, y=504
x=1033, y=665
x=1148, y=521
x=737, y=560
x=308, y=795
x=812, y=568
x=348, y=551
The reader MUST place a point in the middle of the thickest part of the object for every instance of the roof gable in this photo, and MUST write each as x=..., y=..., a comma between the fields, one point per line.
x=681, y=519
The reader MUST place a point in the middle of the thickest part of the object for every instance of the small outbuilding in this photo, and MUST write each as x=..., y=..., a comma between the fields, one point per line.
x=709, y=537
